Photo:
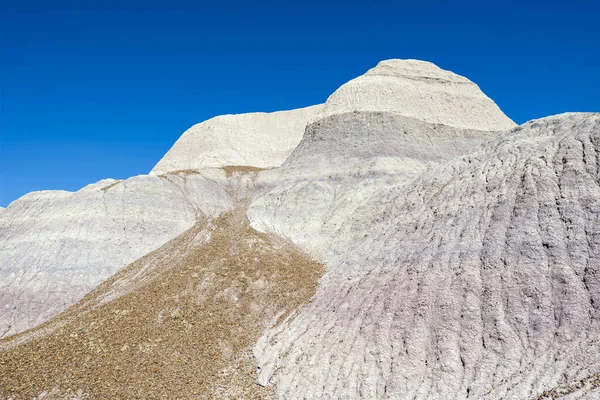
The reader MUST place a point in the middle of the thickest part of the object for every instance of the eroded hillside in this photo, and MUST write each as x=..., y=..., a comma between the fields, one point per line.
x=412, y=244
x=480, y=279
x=179, y=324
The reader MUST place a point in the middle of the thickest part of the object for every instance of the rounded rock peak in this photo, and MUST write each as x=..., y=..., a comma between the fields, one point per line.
x=415, y=69
x=422, y=90
x=261, y=140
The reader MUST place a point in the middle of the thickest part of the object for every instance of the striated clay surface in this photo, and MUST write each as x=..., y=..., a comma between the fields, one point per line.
x=480, y=279
x=262, y=140
x=422, y=90
x=57, y=245
x=462, y=255
x=341, y=163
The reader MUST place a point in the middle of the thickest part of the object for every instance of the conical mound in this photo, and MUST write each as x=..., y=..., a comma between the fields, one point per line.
x=421, y=90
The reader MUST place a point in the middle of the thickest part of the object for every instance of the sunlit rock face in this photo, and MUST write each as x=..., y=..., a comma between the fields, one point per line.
x=262, y=140
x=385, y=127
x=461, y=252
x=421, y=90
x=479, y=278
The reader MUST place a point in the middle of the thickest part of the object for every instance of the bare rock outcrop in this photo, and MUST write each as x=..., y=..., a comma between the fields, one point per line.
x=342, y=161
x=422, y=90
x=480, y=279
x=385, y=127
x=262, y=140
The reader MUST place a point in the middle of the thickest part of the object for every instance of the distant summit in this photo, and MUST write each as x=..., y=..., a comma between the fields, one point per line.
x=410, y=88
x=421, y=90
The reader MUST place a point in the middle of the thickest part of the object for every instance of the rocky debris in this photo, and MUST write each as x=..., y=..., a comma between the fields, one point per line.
x=480, y=279
x=421, y=90
x=182, y=329
x=262, y=140
x=585, y=388
x=57, y=245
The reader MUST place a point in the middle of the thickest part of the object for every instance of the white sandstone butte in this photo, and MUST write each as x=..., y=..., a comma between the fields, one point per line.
x=462, y=252
x=421, y=90
x=261, y=140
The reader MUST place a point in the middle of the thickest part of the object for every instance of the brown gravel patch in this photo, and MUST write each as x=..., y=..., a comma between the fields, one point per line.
x=105, y=188
x=183, y=333
x=240, y=169
x=581, y=387
x=180, y=172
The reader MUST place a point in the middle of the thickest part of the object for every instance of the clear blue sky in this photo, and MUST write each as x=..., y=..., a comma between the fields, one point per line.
x=105, y=88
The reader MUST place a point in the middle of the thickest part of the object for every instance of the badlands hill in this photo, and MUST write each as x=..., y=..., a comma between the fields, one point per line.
x=420, y=90
x=253, y=139
x=404, y=240
x=57, y=246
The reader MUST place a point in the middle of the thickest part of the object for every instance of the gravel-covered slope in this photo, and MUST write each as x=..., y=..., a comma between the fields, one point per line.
x=480, y=279
x=57, y=245
x=176, y=324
